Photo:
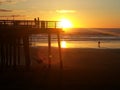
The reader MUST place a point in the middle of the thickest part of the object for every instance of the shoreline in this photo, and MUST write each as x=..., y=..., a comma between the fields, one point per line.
x=80, y=47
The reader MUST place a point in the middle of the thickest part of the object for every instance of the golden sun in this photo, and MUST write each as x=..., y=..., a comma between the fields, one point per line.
x=65, y=23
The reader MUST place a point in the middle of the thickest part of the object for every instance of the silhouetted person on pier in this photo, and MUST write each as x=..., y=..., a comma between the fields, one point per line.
x=99, y=44
x=37, y=22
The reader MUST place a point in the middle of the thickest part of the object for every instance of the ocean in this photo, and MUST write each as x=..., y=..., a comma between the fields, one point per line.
x=82, y=38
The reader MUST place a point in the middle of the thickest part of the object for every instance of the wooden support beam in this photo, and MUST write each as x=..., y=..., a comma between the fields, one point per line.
x=14, y=52
x=49, y=50
x=7, y=53
x=10, y=53
x=27, y=51
x=2, y=55
x=59, y=47
x=18, y=50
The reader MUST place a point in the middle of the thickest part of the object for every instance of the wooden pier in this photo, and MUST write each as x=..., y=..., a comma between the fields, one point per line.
x=14, y=35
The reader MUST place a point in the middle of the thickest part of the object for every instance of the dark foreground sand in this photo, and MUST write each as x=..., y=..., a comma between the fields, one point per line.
x=84, y=69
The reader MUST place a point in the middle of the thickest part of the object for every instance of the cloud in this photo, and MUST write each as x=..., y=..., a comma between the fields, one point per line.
x=12, y=13
x=17, y=15
x=10, y=1
x=65, y=11
x=13, y=16
x=5, y=10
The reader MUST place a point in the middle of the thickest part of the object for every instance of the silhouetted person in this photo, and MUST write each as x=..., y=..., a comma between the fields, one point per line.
x=35, y=20
x=38, y=19
x=99, y=44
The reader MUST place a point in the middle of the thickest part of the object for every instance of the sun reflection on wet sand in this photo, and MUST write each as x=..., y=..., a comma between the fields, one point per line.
x=63, y=44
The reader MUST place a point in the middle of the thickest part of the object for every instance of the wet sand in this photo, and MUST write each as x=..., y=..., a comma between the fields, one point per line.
x=84, y=69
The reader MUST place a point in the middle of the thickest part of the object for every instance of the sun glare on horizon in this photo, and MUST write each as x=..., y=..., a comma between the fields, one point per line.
x=65, y=23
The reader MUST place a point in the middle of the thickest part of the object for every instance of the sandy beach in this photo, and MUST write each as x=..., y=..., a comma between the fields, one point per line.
x=83, y=69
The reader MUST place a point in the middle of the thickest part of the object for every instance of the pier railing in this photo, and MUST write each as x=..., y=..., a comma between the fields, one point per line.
x=30, y=23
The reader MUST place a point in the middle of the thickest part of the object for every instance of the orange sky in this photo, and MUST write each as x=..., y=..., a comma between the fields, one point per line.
x=81, y=13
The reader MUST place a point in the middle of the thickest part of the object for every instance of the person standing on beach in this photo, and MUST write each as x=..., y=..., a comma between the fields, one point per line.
x=99, y=44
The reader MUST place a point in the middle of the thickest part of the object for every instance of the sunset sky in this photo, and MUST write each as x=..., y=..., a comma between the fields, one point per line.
x=82, y=13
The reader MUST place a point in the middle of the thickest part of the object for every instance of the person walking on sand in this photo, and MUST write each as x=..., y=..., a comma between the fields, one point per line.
x=99, y=44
